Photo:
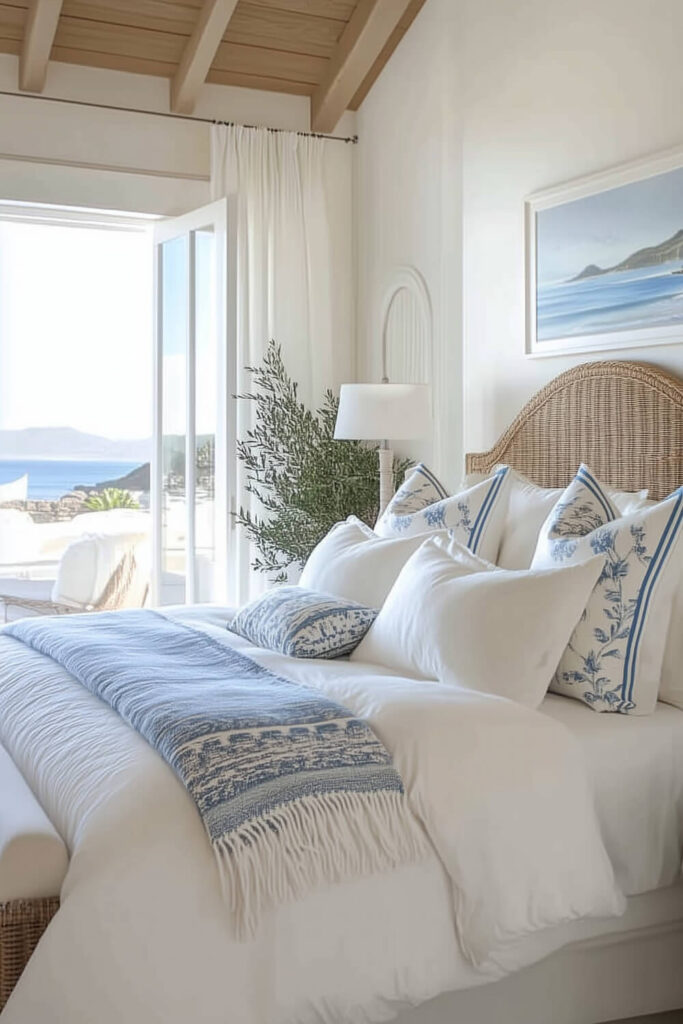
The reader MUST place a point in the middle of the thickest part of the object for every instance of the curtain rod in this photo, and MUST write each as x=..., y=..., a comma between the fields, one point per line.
x=175, y=117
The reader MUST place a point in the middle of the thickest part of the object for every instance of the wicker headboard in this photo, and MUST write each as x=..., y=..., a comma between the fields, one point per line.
x=624, y=419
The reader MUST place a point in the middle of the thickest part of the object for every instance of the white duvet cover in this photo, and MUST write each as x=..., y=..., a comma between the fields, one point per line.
x=143, y=934
x=635, y=765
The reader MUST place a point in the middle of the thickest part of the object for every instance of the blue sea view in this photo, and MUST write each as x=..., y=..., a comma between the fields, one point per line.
x=51, y=478
x=618, y=301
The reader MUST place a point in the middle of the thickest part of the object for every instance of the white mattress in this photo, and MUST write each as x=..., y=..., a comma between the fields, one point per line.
x=636, y=767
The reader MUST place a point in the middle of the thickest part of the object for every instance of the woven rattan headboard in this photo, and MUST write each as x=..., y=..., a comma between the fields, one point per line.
x=625, y=420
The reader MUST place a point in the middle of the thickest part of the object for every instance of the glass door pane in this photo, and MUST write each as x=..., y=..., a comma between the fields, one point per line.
x=174, y=258
x=206, y=414
x=190, y=476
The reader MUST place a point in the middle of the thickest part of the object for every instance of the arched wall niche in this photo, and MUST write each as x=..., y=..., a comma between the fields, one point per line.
x=407, y=342
x=407, y=329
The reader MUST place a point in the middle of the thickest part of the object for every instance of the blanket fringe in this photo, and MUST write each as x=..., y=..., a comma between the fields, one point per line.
x=325, y=838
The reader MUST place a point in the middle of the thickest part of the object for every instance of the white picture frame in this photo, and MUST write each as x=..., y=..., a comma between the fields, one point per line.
x=594, y=185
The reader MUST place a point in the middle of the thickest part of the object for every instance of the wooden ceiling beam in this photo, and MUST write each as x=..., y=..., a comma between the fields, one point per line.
x=41, y=26
x=413, y=9
x=199, y=53
x=361, y=43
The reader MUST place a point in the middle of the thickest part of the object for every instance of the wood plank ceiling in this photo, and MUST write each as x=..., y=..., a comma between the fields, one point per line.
x=330, y=50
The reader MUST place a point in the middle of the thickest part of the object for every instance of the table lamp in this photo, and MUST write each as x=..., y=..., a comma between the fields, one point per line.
x=383, y=412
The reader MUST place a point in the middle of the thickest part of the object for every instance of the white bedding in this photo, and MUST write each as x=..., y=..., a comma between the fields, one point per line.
x=636, y=770
x=143, y=935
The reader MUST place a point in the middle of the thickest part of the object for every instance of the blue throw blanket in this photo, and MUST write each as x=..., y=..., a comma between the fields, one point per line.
x=292, y=789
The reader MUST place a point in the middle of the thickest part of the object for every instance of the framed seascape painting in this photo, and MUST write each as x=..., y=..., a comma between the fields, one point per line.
x=604, y=260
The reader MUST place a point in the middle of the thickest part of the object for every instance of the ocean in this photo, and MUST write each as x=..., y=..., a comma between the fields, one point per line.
x=618, y=301
x=51, y=478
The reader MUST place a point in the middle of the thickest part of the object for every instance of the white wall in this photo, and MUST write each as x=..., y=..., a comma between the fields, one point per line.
x=408, y=206
x=555, y=90
x=473, y=112
x=57, y=153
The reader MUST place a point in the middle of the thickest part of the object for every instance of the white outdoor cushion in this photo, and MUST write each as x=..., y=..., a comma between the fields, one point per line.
x=354, y=563
x=33, y=857
x=86, y=567
x=528, y=508
x=497, y=631
x=475, y=517
x=614, y=659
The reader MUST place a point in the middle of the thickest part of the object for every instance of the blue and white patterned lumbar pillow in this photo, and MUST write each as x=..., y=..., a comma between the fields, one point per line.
x=304, y=623
x=614, y=658
x=474, y=517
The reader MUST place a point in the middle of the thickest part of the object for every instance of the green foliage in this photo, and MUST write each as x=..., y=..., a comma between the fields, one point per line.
x=110, y=497
x=304, y=479
x=205, y=466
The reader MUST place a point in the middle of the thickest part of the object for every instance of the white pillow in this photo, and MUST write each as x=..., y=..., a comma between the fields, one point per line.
x=354, y=563
x=474, y=517
x=528, y=508
x=613, y=661
x=495, y=631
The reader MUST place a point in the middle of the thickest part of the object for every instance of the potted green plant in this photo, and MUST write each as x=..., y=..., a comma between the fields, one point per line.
x=304, y=480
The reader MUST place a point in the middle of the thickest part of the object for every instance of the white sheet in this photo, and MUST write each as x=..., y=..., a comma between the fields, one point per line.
x=143, y=935
x=636, y=770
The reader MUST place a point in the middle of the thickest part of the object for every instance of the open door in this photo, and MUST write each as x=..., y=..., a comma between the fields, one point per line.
x=194, y=381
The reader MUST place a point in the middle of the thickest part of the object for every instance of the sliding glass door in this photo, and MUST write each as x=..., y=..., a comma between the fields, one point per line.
x=194, y=383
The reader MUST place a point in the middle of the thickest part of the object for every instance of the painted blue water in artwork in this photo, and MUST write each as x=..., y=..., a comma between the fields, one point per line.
x=49, y=479
x=617, y=301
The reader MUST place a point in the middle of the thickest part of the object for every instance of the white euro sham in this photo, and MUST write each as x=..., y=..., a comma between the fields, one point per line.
x=475, y=517
x=528, y=508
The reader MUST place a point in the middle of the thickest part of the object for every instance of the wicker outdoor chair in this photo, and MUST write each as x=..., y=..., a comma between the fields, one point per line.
x=126, y=587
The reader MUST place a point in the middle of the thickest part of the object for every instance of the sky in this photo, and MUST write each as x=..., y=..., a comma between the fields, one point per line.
x=606, y=228
x=76, y=329
x=175, y=254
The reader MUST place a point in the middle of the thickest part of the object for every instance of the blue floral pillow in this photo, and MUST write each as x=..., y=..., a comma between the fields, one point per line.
x=304, y=623
x=474, y=517
x=614, y=658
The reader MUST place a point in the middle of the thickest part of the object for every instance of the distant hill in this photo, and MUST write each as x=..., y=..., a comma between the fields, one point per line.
x=652, y=255
x=590, y=271
x=66, y=443
x=137, y=480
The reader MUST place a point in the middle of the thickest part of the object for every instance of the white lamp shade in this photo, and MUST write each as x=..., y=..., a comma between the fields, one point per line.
x=379, y=412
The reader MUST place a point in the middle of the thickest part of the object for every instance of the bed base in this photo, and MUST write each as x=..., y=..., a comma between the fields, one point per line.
x=593, y=981
x=589, y=982
x=22, y=922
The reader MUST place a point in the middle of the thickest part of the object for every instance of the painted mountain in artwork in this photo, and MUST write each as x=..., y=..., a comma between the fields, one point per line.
x=651, y=255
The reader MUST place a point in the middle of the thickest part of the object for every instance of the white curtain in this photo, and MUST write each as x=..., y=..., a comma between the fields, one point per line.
x=293, y=272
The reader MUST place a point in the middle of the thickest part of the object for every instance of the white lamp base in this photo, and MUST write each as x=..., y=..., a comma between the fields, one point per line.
x=386, y=478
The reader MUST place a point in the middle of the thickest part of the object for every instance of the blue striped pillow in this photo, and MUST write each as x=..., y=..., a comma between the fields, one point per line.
x=474, y=517
x=614, y=658
x=304, y=623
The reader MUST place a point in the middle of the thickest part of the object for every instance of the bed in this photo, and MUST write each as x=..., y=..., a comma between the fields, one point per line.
x=142, y=933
